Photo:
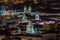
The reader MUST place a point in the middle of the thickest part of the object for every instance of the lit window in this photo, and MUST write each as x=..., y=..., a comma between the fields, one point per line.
x=35, y=1
x=18, y=0
x=0, y=0
x=5, y=0
x=21, y=1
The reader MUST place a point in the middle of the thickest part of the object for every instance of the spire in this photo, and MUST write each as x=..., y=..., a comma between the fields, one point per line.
x=29, y=9
x=25, y=9
x=37, y=16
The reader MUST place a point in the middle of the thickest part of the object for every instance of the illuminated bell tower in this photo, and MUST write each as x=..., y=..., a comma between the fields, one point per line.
x=30, y=28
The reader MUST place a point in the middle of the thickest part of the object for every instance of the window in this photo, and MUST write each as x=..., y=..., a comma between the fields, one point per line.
x=0, y=0
x=18, y=0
